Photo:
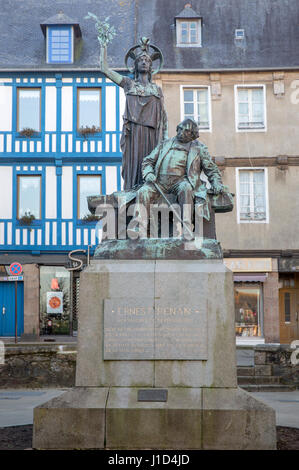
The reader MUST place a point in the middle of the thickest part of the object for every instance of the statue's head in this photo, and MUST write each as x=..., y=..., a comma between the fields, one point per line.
x=143, y=55
x=187, y=130
x=143, y=64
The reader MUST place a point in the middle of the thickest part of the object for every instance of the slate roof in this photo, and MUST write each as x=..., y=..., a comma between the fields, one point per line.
x=187, y=12
x=61, y=19
x=271, y=33
x=23, y=45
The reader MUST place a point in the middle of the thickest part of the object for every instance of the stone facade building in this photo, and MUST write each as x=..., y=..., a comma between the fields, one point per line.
x=227, y=66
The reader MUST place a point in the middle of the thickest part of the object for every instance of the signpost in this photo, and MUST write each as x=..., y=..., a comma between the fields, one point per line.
x=15, y=270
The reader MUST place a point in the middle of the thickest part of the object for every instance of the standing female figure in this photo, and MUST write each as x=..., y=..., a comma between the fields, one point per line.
x=145, y=118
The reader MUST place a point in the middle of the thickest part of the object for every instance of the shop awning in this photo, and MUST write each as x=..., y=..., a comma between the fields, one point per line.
x=251, y=278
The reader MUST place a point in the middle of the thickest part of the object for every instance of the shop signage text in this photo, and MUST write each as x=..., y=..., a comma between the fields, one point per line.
x=248, y=264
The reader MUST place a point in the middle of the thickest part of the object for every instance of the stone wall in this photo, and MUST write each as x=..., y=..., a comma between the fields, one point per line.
x=278, y=359
x=38, y=366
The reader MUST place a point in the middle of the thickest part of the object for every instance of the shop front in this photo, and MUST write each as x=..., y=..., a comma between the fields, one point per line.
x=255, y=309
x=56, y=313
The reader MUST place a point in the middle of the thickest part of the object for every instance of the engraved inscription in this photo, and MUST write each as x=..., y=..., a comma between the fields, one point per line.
x=129, y=329
x=180, y=333
x=136, y=330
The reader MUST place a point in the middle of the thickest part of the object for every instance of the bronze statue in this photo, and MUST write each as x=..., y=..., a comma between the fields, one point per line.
x=175, y=165
x=145, y=119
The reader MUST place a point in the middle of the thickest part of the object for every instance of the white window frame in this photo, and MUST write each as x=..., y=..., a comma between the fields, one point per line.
x=243, y=221
x=179, y=42
x=252, y=129
x=197, y=87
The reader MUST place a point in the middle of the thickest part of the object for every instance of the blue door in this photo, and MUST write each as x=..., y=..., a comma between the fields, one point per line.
x=7, y=308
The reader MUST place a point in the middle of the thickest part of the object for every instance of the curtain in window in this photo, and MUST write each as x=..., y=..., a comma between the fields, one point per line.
x=259, y=194
x=244, y=194
x=29, y=196
x=202, y=108
x=257, y=107
x=89, y=107
x=29, y=109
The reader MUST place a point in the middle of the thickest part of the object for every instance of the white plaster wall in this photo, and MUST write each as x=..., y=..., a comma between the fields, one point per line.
x=111, y=179
x=6, y=108
x=50, y=121
x=51, y=193
x=67, y=192
x=6, y=192
x=67, y=108
x=110, y=108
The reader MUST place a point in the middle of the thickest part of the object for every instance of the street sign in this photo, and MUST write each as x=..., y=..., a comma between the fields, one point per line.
x=15, y=269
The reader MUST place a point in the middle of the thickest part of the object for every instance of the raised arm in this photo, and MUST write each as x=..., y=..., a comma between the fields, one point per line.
x=114, y=76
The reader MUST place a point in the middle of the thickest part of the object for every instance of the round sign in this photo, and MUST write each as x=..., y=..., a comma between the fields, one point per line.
x=54, y=302
x=15, y=269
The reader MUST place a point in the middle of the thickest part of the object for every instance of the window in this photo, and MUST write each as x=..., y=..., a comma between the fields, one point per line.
x=88, y=185
x=29, y=196
x=252, y=195
x=248, y=310
x=28, y=109
x=188, y=33
x=60, y=44
x=287, y=307
x=250, y=108
x=196, y=105
x=239, y=33
x=89, y=108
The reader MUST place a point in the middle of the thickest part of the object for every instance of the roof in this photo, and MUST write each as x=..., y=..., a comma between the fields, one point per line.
x=271, y=33
x=23, y=45
x=187, y=13
x=61, y=19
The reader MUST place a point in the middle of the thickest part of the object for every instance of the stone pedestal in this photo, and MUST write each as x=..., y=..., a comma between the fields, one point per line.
x=165, y=327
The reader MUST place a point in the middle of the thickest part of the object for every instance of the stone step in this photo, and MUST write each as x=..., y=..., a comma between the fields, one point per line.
x=268, y=388
x=258, y=380
x=245, y=370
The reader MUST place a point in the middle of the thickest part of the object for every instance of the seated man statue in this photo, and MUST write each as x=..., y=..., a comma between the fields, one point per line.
x=174, y=166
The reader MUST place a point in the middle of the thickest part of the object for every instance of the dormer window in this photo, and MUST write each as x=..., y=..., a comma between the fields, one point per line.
x=188, y=28
x=60, y=44
x=60, y=32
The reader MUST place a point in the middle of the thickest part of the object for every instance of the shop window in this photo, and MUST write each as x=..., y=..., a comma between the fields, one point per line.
x=252, y=195
x=89, y=109
x=88, y=185
x=29, y=197
x=29, y=109
x=250, y=108
x=60, y=44
x=196, y=105
x=55, y=300
x=248, y=311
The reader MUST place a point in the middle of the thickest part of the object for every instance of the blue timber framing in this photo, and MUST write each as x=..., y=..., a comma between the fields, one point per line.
x=58, y=149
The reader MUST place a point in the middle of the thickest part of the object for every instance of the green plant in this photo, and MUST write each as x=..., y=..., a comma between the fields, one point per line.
x=105, y=32
x=27, y=218
x=90, y=218
x=86, y=131
x=28, y=132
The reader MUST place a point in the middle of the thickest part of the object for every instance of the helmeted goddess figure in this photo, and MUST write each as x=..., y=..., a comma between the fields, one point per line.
x=145, y=119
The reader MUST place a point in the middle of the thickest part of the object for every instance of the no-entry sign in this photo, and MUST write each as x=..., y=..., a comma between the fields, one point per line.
x=15, y=269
